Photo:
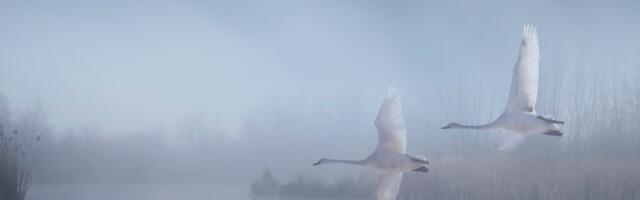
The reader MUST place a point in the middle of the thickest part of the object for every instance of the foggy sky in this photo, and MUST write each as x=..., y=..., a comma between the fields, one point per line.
x=127, y=66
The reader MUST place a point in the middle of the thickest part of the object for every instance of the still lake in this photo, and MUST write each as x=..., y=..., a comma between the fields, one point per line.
x=145, y=192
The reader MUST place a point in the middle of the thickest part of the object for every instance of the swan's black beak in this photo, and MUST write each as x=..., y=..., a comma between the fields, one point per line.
x=446, y=127
x=422, y=169
x=317, y=163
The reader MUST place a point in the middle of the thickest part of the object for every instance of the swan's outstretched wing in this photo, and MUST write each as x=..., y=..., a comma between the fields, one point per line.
x=388, y=186
x=524, y=84
x=510, y=142
x=392, y=134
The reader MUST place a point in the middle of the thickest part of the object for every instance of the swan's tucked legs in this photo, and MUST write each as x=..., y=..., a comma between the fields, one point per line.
x=422, y=169
x=553, y=133
x=550, y=120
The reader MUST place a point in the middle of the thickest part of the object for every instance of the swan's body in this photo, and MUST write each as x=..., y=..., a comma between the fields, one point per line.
x=390, y=155
x=520, y=118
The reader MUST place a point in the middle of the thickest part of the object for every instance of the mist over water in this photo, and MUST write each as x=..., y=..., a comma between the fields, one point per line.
x=200, y=99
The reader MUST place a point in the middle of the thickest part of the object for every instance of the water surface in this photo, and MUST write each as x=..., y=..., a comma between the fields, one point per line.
x=145, y=192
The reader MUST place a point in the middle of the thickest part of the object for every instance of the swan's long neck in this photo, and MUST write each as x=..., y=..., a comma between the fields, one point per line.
x=350, y=162
x=476, y=127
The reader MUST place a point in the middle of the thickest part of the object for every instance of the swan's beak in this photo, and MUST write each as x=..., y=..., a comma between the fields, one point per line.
x=446, y=127
x=317, y=163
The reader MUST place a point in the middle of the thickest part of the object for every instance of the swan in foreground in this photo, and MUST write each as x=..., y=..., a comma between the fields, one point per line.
x=520, y=118
x=390, y=155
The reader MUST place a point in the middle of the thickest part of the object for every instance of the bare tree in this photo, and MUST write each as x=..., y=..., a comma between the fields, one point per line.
x=18, y=142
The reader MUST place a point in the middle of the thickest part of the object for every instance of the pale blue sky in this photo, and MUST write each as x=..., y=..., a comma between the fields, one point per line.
x=129, y=66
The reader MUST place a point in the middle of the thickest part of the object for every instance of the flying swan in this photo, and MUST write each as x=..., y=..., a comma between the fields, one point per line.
x=390, y=155
x=520, y=118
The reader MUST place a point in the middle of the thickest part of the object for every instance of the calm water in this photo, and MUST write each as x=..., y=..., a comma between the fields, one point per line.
x=144, y=192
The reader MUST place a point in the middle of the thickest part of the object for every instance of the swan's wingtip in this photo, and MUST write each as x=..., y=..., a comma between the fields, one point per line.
x=392, y=91
x=529, y=29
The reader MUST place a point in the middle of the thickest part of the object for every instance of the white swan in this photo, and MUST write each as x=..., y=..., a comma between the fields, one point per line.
x=520, y=118
x=390, y=154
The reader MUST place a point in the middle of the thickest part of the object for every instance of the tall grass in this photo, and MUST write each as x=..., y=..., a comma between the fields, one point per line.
x=497, y=177
x=512, y=177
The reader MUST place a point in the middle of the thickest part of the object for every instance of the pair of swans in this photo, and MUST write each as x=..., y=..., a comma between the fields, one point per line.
x=518, y=120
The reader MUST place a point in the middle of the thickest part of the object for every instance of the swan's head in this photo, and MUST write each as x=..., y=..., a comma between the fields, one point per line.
x=451, y=125
x=321, y=161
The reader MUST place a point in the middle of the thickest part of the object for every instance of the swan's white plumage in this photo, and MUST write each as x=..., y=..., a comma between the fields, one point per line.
x=390, y=155
x=388, y=185
x=511, y=141
x=524, y=84
x=519, y=118
x=392, y=133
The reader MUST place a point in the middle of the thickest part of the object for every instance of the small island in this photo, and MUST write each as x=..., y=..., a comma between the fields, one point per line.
x=348, y=188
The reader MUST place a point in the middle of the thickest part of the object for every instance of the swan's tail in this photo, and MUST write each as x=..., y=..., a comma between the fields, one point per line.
x=555, y=131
